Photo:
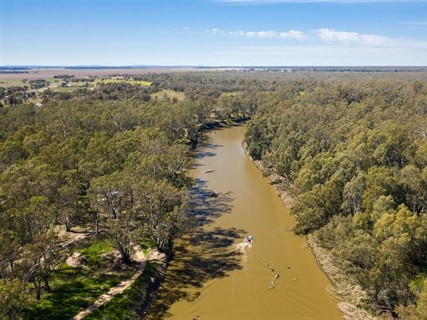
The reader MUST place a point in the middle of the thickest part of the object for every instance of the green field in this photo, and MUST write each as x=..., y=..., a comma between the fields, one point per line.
x=171, y=94
x=6, y=83
x=122, y=79
x=55, y=82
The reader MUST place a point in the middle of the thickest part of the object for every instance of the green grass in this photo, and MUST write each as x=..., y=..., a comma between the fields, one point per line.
x=169, y=94
x=74, y=289
x=92, y=253
x=66, y=89
x=6, y=83
x=54, y=83
x=121, y=79
x=127, y=305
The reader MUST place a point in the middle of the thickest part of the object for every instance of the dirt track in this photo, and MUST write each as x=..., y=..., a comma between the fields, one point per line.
x=139, y=257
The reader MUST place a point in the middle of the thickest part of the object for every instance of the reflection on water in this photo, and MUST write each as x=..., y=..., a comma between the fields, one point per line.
x=215, y=274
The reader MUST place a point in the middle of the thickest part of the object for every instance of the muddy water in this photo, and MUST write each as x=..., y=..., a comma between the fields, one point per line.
x=214, y=275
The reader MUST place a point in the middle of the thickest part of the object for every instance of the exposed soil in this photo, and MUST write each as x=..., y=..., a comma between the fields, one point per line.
x=76, y=260
x=350, y=295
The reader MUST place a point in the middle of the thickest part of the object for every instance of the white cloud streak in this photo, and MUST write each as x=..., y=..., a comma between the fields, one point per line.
x=346, y=46
x=264, y=34
x=292, y=34
x=345, y=37
x=325, y=35
x=333, y=55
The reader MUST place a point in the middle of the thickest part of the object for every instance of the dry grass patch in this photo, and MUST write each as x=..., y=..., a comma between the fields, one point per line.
x=168, y=94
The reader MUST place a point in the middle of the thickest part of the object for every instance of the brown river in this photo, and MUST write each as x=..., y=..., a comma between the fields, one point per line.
x=214, y=274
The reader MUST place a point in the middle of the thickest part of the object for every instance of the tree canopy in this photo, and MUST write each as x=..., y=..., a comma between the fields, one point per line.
x=112, y=157
x=353, y=154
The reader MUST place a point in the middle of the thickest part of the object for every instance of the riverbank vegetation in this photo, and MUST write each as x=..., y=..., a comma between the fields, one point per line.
x=107, y=162
x=103, y=162
x=353, y=153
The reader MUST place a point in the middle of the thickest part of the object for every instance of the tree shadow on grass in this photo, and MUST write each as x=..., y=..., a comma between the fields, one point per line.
x=202, y=255
x=76, y=289
x=63, y=302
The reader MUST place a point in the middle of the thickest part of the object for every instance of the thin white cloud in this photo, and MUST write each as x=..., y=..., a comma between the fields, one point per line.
x=264, y=34
x=343, y=43
x=293, y=34
x=333, y=55
x=269, y=34
x=345, y=37
x=325, y=34
x=215, y=31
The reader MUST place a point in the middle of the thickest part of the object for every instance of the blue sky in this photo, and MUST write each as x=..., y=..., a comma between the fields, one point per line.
x=213, y=32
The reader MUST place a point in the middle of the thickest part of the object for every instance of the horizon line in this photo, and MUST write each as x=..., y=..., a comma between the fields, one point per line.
x=89, y=66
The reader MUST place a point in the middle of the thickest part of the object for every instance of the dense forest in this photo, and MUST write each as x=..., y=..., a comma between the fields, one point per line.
x=111, y=158
x=353, y=154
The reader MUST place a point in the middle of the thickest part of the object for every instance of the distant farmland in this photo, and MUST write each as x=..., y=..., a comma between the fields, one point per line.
x=45, y=73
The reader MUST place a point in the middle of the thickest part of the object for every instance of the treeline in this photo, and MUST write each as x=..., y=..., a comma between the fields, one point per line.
x=110, y=160
x=353, y=153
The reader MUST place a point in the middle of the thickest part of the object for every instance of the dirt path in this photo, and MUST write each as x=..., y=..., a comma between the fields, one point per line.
x=110, y=294
x=138, y=256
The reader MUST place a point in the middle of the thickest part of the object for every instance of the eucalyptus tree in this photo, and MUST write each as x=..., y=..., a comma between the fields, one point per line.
x=353, y=153
x=159, y=206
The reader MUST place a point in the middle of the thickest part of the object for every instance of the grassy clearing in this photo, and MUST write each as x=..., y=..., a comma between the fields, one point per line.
x=231, y=94
x=129, y=304
x=54, y=82
x=66, y=89
x=6, y=83
x=122, y=79
x=168, y=94
x=74, y=289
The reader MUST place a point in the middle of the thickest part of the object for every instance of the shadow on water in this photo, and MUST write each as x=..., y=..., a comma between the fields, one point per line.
x=202, y=255
x=207, y=150
x=206, y=205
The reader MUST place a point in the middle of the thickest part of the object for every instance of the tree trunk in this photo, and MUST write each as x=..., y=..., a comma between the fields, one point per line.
x=67, y=224
x=125, y=255
x=38, y=287
x=96, y=223
x=46, y=284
